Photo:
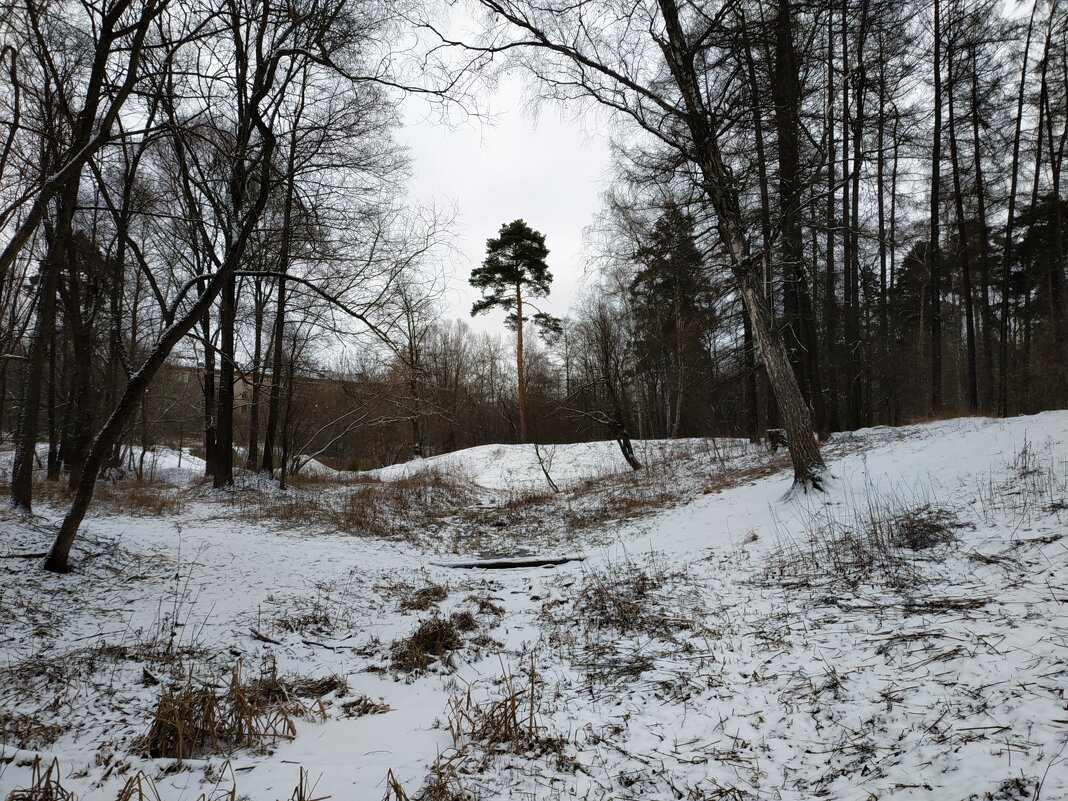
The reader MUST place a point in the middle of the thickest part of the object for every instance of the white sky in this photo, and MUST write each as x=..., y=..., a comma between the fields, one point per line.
x=548, y=170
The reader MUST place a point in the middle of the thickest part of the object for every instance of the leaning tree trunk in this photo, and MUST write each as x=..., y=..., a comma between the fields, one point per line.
x=809, y=468
x=105, y=439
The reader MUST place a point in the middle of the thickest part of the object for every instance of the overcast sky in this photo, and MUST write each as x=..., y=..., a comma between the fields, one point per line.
x=548, y=170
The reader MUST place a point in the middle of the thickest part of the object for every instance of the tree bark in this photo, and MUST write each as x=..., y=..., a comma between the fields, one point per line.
x=809, y=469
x=1006, y=263
x=962, y=236
x=933, y=255
x=522, y=396
x=986, y=316
x=224, y=416
x=44, y=324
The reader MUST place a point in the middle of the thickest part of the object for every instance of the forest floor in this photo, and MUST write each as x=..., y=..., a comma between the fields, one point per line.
x=903, y=635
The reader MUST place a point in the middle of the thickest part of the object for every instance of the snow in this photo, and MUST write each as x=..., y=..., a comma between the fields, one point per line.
x=748, y=668
x=516, y=467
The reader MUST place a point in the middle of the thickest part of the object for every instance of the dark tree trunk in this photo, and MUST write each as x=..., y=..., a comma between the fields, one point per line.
x=986, y=316
x=522, y=385
x=786, y=91
x=1006, y=263
x=933, y=248
x=252, y=456
x=52, y=412
x=768, y=266
x=210, y=464
x=44, y=324
x=809, y=468
x=224, y=417
x=856, y=358
x=880, y=199
x=830, y=297
x=752, y=407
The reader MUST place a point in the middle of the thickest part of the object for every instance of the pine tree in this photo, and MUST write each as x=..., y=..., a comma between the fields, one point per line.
x=513, y=272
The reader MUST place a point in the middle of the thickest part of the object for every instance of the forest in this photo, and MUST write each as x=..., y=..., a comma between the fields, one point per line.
x=822, y=217
x=761, y=495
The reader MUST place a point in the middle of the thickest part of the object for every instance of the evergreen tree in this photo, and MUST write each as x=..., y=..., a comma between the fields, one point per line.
x=513, y=272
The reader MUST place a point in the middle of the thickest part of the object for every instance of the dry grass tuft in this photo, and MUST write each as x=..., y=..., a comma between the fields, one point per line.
x=922, y=528
x=628, y=597
x=433, y=641
x=45, y=785
x=402, y=508
x=27, y=731
x=507, y=722
x=877, y=543
x=364, y=705
x=423, y=599
x=198, y=719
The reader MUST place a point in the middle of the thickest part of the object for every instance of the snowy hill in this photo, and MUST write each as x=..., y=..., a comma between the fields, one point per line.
x=901, y=636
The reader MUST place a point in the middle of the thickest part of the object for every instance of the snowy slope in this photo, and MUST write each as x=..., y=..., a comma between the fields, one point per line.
x=744, y=670
x=516, y=467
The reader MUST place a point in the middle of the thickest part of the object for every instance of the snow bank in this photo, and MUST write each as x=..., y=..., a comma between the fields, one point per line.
x=516, y=467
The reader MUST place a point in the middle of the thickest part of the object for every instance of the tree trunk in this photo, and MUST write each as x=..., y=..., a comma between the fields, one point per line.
x=766, y=236
x=986, y=316
x=32, y=379
x=1006, y=263
x=830, y=298
x=274, y=403
x=519, y=363
x=252, y=455
x=224, y=417
x=752, y=410
x=210, y=464
x=933, y=254
x=962, y=236
x=809, y=468
x=786, y=90
x=857, y=358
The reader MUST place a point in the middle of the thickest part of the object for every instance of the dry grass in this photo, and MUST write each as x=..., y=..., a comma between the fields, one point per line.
x=422, y=599
x=137, y=498
x=45, y=785
x=27, y=731
x=199, y=718
x=506, y=723
x=1036, y=485
x=140, y=787
x=482, y=729
x=878, y=543
x=670, y=477
x=630, y=598
x=433, y=641
x=364, y=705
x=402, y=508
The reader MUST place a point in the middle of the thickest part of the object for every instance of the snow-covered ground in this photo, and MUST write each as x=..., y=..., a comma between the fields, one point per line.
x=732, y=644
